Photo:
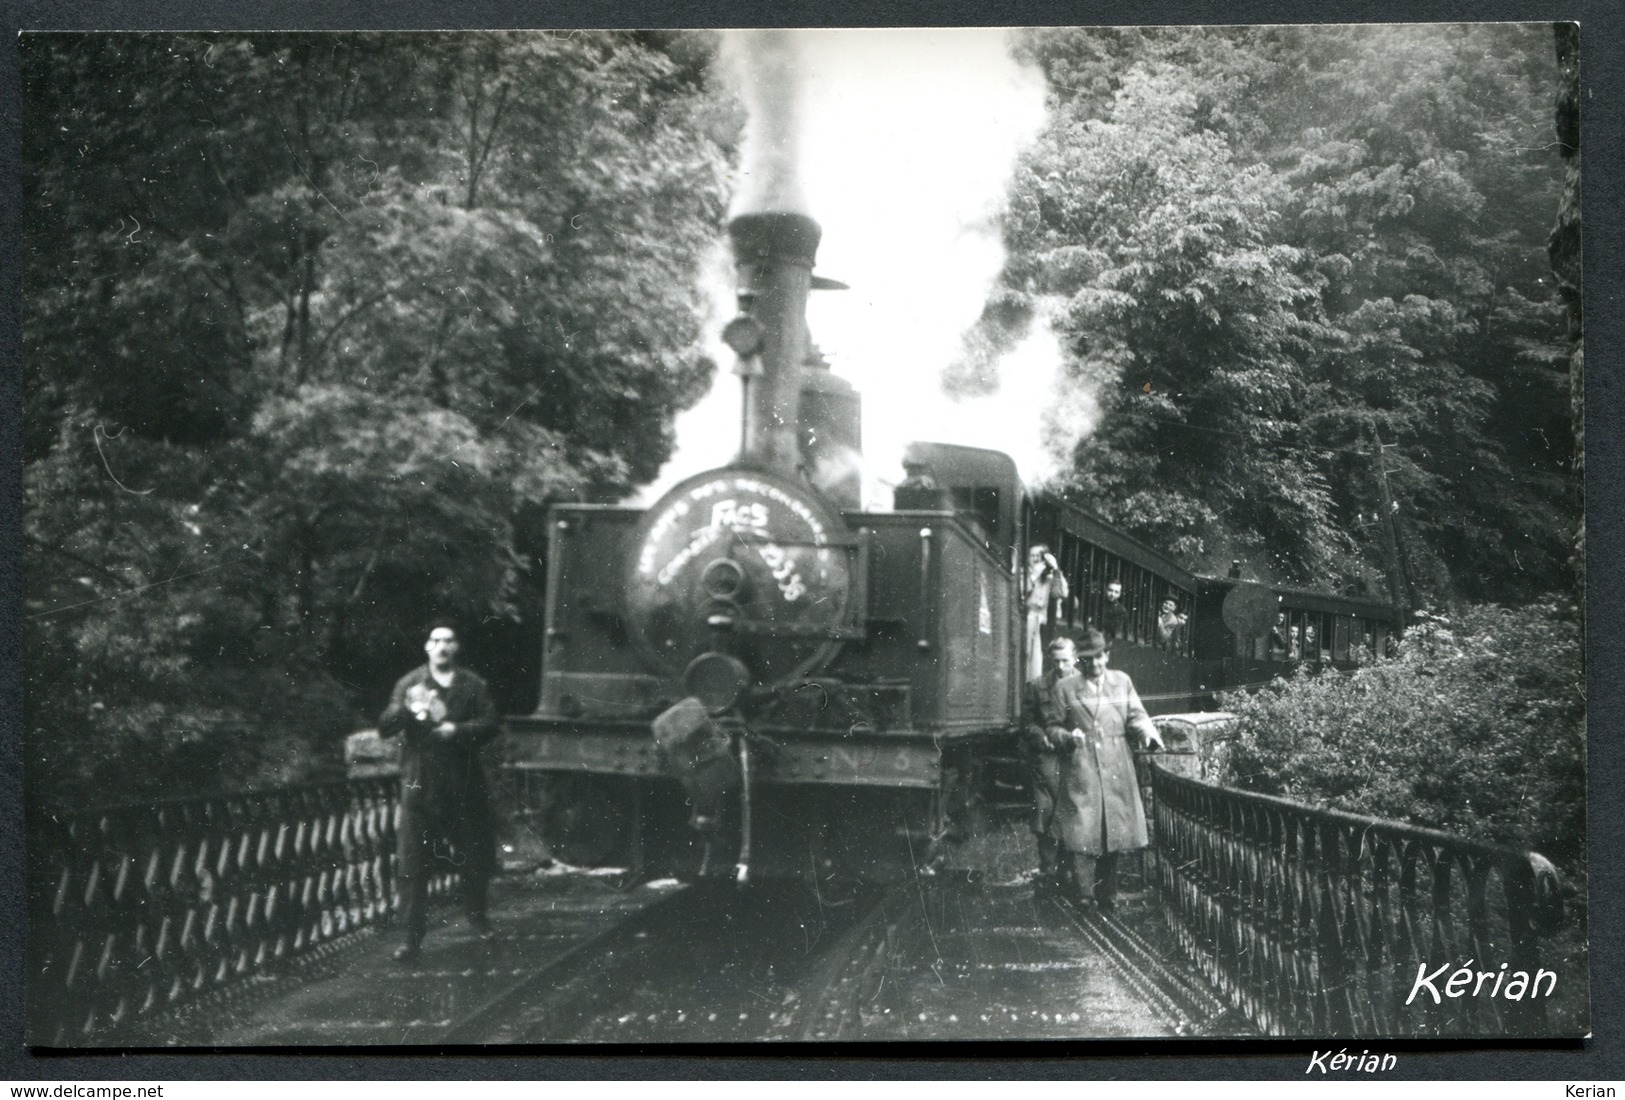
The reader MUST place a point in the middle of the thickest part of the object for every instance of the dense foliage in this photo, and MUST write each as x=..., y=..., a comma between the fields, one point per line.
x=317, y=326
x=1477, y=727
x=1270, y=252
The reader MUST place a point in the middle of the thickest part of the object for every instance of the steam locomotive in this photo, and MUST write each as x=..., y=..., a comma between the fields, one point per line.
x=756, y=678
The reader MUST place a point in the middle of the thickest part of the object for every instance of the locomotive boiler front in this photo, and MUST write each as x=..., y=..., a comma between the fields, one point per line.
x=744, y=578
x=738, y=576
x=804, y=681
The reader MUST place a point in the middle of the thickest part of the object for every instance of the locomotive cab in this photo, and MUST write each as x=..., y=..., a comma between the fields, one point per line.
x=979, y=486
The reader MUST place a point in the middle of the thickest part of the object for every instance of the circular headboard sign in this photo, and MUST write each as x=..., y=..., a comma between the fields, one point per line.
x=741, y=560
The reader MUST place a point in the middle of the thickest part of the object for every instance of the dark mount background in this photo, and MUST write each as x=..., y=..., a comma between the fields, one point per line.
x=1598, y=1062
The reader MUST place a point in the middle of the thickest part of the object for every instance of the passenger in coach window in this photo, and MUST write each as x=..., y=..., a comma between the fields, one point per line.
x=444, y=716
x=1114, y=614
x=1171, y=626
x=1280, y=647
x=1044, y=738
x=1043, y=584
x=1098, y=811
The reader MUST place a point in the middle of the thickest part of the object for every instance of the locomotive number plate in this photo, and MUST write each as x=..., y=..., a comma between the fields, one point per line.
x=688, y=524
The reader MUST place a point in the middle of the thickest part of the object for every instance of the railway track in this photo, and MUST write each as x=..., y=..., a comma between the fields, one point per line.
x=980, y=958
x=1190, y=1007
x=711, y=963
x=352, y=993
x=933, y=958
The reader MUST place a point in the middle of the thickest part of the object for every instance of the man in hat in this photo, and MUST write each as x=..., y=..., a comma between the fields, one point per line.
x=1098, y=811
x=1046, y=736
x=1171, y=626
x=444, y=716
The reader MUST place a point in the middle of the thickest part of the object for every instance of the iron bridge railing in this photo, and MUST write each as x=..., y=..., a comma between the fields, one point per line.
x=1311, y=922
x=135, y=909
x=1314, y=922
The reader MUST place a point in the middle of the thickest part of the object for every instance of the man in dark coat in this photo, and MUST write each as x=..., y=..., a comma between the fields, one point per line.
x=444, y=716
x=1045, y=737
x=1098, y=812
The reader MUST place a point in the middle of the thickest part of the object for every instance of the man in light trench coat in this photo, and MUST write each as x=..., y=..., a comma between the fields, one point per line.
x=1080, y=725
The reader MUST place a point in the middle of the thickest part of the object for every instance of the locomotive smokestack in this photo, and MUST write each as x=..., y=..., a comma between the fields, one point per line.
x=773, y=258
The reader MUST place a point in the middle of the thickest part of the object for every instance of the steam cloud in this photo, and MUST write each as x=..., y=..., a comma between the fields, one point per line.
x=901, y=143
x=766, y=67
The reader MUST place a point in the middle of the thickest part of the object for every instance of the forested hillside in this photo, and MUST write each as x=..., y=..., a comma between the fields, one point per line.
x=1269, y=251
x=316, y=327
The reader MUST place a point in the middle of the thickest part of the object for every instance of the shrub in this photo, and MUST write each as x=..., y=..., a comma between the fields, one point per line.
x=1476, y=727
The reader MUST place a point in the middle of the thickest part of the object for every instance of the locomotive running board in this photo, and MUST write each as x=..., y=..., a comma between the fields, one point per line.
x=911, y=759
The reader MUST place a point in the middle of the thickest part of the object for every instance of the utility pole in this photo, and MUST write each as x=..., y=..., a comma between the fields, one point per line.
x=1398, y=586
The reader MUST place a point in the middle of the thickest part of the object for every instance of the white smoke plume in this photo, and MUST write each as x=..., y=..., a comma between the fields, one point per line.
x=901, y=143
x=765, y=66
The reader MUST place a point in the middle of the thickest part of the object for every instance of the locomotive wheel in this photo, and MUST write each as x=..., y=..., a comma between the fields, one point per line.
x=586, y=820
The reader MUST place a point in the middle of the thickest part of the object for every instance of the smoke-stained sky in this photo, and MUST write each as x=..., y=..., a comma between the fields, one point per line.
x=907, y=141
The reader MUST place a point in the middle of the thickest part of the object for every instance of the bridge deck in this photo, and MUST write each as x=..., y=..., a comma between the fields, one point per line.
x=997, y=965
x=358, y=995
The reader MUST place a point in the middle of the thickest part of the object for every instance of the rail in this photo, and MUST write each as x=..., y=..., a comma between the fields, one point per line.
x=135, y=909
x=1321, y=923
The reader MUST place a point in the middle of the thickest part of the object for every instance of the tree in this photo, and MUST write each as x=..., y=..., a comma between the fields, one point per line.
x=1303, y=241
x=1477, y=728
x=1153, y=250
x=1415, y=178
x=317, y=326
x=1563, y=246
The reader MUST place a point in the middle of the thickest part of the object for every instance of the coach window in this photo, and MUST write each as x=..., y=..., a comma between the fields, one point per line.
x=1145, y=611
x=1090, y=609
x=1343, y=626
x=1074, y=565
x=1255, y=648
